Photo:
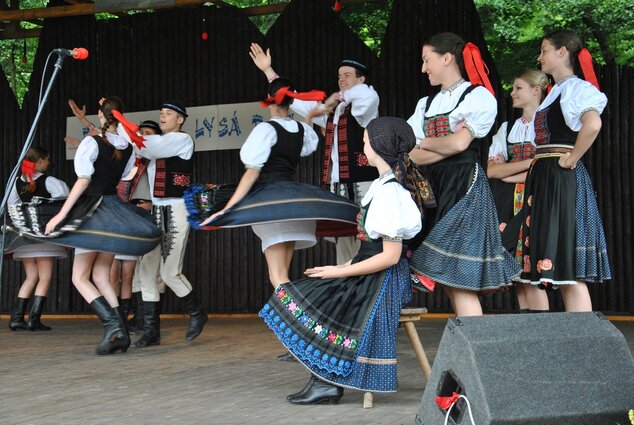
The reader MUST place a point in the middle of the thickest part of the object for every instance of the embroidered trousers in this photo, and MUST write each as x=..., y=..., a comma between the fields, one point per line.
x=165, y=262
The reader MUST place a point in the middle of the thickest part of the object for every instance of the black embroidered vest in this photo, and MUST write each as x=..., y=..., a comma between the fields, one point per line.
x=438, y=126
x=108, y=169
x=40, y=189
x=518, y=151
x=172, y=177
x=353, y=164
x=551, y=127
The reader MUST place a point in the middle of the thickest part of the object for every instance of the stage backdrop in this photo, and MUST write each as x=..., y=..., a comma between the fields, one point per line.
x=148, y=58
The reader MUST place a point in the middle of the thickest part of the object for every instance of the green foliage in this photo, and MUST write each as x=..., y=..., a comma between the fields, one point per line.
x=513, y=30
x=16, y=56
x=369, y=20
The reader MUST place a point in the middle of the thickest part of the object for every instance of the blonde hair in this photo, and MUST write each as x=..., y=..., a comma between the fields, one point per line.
x=536, y=78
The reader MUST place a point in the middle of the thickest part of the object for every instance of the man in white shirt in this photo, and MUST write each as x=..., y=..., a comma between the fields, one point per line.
x=169, y=172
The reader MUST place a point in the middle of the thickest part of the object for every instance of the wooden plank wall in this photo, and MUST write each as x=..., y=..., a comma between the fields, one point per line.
x=147, y=58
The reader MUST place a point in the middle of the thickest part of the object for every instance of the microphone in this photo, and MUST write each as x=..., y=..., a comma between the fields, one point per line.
x=78, y=53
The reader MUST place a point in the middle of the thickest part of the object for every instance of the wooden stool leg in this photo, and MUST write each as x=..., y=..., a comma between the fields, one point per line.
x=368, y=399
x=418, y=349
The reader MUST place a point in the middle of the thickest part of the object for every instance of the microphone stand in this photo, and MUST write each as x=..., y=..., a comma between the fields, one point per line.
x=27, y=144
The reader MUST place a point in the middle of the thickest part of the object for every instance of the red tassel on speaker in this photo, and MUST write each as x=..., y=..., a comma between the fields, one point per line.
x=446, y=402
x=477, y=70
x=585, y=61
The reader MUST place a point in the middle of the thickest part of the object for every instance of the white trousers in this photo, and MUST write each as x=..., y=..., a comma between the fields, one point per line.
x=167, y=263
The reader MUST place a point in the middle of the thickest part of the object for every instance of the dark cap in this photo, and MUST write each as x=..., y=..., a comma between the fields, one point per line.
x=175, y=106
x=356, y=65
x=151, y=125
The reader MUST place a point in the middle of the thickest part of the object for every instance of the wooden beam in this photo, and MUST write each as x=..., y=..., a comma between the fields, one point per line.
x=81, y=8
x=19, y=34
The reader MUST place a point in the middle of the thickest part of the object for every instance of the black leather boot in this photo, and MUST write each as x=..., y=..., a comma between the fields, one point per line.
x=34, y=323
x=319, y=392
x=115, y=337
x=16, y=322
x=151, y=326
x=124, y=303
x=135, y=324
x=304, y=390
x=197, y=316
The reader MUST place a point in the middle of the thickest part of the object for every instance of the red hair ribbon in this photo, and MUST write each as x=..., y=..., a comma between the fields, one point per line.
x=585, y=61
x=446, y=402
x=28, y=169
x=278, y=98
x=130, y=128
x=477, y=70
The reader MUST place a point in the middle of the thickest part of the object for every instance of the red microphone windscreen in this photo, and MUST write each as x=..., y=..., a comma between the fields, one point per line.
x=80, y=53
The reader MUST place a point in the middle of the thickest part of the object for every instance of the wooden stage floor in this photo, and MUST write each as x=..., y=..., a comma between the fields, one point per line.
x=229, y=375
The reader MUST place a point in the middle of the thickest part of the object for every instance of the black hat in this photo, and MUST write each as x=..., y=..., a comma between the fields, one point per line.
x=152, y=125
x=355, y=64
x=175, y=106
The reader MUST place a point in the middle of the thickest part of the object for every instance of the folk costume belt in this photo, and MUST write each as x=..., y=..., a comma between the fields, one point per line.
x=550, y=151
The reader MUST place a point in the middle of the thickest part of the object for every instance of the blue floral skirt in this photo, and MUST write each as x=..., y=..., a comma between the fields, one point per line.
x=344, y=330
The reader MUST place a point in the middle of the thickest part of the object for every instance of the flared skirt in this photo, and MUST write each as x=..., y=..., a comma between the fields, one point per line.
x=104, y=224
x=562, y=236
x=343, y=330
x=273, y=202
x=462, y=247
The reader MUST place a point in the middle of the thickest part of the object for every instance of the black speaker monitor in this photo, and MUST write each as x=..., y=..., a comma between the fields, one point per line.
x=531, y=369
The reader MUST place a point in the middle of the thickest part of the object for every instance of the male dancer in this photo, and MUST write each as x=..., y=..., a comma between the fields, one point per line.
x=344, y=115
x=169, y=173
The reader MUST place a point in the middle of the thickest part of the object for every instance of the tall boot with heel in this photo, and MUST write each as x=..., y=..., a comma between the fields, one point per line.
x=115, y=336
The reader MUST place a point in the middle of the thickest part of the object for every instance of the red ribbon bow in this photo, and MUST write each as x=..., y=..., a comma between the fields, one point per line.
x=446, y=402
x=278, y=98
x=28, y=169
x=585, y=61
x=477, y=70
x=130, y=128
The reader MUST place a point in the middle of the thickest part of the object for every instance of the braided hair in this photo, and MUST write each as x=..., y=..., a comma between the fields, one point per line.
x=106, y=107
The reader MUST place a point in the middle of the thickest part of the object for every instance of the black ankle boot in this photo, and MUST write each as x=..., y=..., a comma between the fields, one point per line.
x=319, y=392
x=304, y=390
x=135, y=324
x=115, y=336
x=151, y=326
x=16, y=322
x=34, y=323
x=197, y=316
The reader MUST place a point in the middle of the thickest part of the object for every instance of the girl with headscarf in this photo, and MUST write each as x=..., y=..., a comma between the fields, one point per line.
x=341, y=321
